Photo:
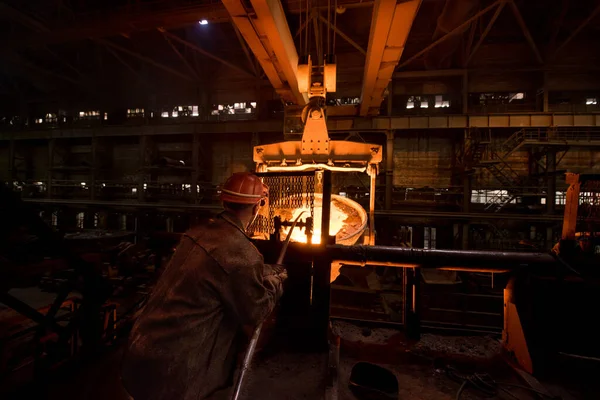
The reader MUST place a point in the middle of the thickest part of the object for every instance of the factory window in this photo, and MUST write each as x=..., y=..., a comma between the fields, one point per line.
x=54, y=219
x=441, y=103
x=175, y=113
x=123, y=222
x=80, y=219
x=516, y=96
x=424, y=104
x=430, y=240
x=135, y=113
x=487, y=196
x=96, y=217
x=94, y=114
x=165, y=114
x=105, y=116
x=410, y=103
x=50, y=118
x=39, y=120
x=195, y=111
x=235, y=108
x=591, y=101
x=559, y=199
x=133, y=190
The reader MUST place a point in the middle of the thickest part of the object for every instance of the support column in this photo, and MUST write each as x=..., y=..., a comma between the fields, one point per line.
x=545, y=101
x=390, y=108
x=465, y=93
x=551, y=181
x=389, y=170
x=142, y=165
x=195, y=166
x=94, y=167
x=467, y=185
x=11, y=158
x=51, y=145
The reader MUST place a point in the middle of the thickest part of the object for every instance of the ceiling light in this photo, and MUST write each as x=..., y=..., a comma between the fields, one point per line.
x=203, y=22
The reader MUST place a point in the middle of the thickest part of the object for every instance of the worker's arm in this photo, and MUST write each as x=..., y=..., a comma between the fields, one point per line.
x=252, y=291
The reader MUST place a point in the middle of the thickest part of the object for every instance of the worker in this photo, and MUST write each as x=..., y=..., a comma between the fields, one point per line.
x=184, y=345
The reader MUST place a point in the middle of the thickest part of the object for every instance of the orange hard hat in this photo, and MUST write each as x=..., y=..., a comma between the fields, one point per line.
x=244, y=188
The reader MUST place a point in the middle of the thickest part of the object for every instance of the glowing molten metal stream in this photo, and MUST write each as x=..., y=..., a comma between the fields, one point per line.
x=336, y=223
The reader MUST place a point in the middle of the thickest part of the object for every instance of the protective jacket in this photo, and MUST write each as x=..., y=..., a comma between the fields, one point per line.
x=184, y=343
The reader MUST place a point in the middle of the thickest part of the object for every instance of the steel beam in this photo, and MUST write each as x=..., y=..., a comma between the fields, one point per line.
x=343, y=35
x=581, y=26
x=487, y=30
x=455, y=31
x=179, y=55
x=206, y=53
x=145, y=59
x=250, y=29
x=390, y=25
x=272, y=20
x=526, y=32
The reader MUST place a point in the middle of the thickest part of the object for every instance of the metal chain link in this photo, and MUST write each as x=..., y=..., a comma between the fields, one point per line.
x=285, y=193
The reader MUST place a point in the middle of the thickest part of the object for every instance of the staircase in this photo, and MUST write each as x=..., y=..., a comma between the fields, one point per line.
x=513, y=143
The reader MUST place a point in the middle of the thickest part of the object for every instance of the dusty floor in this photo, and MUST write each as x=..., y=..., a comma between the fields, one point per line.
x=280, y=375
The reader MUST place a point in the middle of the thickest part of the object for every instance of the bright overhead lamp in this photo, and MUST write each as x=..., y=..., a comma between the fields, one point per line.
x=203, y=22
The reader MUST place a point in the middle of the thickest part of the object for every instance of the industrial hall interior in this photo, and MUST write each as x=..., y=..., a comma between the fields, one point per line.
x=299, y=199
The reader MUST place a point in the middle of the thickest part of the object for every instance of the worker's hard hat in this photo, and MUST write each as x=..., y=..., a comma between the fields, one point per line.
x=244, y=188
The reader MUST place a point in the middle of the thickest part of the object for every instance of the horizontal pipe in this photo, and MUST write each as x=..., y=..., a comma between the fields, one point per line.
x=309, y=167
x=463, y=260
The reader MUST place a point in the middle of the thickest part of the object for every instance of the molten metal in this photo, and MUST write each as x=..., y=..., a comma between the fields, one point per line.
x=347, y=221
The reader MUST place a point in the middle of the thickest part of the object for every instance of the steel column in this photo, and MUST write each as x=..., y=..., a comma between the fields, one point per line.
x=389, y=170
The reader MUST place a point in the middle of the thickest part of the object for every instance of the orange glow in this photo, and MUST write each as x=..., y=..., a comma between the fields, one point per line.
x=336, y=223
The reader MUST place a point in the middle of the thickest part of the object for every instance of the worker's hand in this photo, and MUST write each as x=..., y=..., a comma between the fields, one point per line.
x=280, y=271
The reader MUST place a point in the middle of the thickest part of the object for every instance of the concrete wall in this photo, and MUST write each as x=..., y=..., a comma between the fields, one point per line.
x=423, y=159
x=230, y=153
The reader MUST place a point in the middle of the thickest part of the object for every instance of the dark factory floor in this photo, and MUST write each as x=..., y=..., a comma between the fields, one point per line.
x=426, y=370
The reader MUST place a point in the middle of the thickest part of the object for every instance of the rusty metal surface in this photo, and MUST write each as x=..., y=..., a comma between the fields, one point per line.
x=339, y=151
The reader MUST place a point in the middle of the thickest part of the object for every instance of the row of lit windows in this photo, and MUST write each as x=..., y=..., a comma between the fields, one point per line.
x=423, y=102
x=178, y=111
x=235, y=108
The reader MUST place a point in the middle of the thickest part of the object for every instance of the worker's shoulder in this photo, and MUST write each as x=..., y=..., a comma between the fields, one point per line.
x=226, y=244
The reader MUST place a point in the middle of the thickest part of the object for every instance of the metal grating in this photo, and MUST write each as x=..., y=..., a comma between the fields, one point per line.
x=286, y=192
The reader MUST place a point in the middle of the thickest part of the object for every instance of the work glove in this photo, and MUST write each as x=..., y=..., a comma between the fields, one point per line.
x=279, y=271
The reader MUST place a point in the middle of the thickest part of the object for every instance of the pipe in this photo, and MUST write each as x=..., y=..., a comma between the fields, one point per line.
x=307, y=167
x=466, y=260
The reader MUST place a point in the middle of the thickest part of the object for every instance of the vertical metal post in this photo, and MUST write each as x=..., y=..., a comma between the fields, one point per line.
x=465, y=93
x=390, y=96
x=322, y=270
x=51, y=145
x=94, y=166
x=195, y=166
x=411, y=304
x=142, y=164
x=373, y=175
x=389, y=169
x=551, y=181
x=11, y=158
x=545, y=105
x=326, y=210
